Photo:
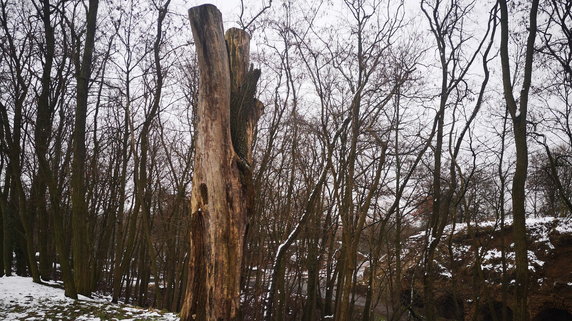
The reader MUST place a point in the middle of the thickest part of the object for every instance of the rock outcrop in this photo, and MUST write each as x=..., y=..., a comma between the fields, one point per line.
x=475, y=271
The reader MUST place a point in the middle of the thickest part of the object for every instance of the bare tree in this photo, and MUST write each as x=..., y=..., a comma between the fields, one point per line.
x=518, y=112
x=80, y=249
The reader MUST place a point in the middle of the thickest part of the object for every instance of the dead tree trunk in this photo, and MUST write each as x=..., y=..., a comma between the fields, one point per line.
x=222, y=192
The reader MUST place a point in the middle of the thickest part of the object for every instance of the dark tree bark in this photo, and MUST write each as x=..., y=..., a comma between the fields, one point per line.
x=518, y=112
x=80, y=248
x=41, y=138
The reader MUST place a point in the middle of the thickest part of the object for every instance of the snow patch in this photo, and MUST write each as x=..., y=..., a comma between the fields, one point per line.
x=22, y=299
x=564, y=227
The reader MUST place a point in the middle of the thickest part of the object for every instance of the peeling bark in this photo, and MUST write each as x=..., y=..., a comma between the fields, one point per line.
x=221, y=196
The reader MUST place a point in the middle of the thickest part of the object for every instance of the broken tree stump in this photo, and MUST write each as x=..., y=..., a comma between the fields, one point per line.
x=222, y=191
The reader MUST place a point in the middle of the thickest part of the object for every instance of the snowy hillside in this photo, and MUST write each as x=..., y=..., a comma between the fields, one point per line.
x=21, y=299
x=547, y=237
x=469, y=271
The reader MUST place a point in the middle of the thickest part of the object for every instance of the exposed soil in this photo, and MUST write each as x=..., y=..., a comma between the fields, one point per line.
x=469, y=274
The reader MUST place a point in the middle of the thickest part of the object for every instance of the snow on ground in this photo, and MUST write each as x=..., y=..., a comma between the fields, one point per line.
x=565, y=227
x=21, y=299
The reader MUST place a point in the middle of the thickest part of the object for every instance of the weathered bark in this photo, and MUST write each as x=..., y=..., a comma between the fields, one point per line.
x=221, y=194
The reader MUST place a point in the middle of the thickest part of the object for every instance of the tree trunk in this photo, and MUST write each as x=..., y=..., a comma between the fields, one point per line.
x=1, y=235
x=80, y=248
x=221, y=194
x=518, y=113
x=6, y=234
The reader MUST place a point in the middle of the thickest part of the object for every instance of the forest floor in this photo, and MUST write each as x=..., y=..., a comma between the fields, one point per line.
x=21, y=299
